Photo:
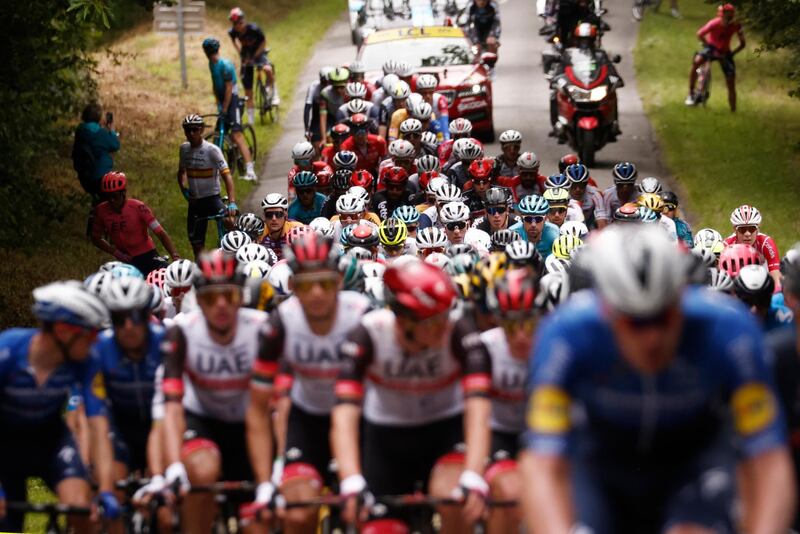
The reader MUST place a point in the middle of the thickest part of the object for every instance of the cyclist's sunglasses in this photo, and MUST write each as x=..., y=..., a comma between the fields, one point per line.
x=394, y=249
x=136, y=316
x=559, y=209
x=527, y=324
x=746, y=229
x=274, y=215
x=411, y=228
x=302, y=162
x=496, y=210
x=359, y=130
x=481, y=182
x=193, y=129
x=460, y=225
x=178, y=291
x=428, y=251
x=641, y=323
x=210, y=295
x=412, y=135
x=395, y=187
x=304, y=282
x=670, y=207
x=530, y=219
x=305, y=191
x=349, y=216
x=81, y=330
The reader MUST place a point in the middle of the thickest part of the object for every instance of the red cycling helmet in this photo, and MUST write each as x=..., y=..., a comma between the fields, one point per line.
x=515, y=295
x=236, y=14
x=734, y=257
x=340, y=132
x=358, y=121
x=156, y=278
x=566, y=161
x=425, y=178
x=114, y=181
x=395, y=175
x=311, y=251
x=418, y=290
x=324, y=176
x=298, y=232
x=481, y=169
x=726, y=8
x=217, y=268
x=363, y=178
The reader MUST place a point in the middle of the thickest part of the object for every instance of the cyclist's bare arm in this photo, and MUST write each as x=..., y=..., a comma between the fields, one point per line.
x=102, y=453
x=155, y=448
x=773, y=491
x=163, y=236
x=546, y=495
x=742, y=43
x=226, y=102
x=174, y=416
x=183, y=178
x=229, y=186
x=259, y=432
x=282, y=406
x=344, y=439
x=477, y=411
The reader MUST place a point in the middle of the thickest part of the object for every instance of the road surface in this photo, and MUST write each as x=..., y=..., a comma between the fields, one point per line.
x=520, y=97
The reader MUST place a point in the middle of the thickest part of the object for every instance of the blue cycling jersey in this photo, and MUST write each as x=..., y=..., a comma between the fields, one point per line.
x=298, y=213
x=550, y=233
x=719, y=361
x=221, y=72
x=129, y=384
x=26, y=404
x=778, y=316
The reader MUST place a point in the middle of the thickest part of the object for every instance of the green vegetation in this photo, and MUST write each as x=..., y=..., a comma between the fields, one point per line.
x=137, y=77
x=723, y=159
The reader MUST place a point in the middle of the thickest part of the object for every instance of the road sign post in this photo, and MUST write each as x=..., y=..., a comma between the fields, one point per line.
x=186, y=16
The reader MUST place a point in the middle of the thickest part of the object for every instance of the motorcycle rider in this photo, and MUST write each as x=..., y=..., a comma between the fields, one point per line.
x=483, y=25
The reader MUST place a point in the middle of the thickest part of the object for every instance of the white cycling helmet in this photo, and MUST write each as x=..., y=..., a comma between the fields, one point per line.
x=720, y=280
x=322, y=226
x=454, y=212
x=422, y=111
x=410, y=126
x=431, y=237
x=348, y=203
x=359, y=192
x=440, y=260
x=278, y=278
x=275, y=200
x=109, y=266
x=180, y=273
x=426, y=82
x=436, y=183
x=428, y=163
x=251, y=252
x=574, y=228
x=69, y=302
x=467, y=149
x=412, y=100
x=650, y=185
x=510, y=136
x=528, y=161
x=553, y=290
x=460, y=126
x=388, y=82
x=554, y=264
x=400, y=148
x=96, y=282
x=710, y=239
x=400, y=91
x=429, y=140
x=745, y=215
x=355, y=90
x=404, y=69
x=448, y=193
x=478, y=239
x=234, y=240
x=128, y=293
x=356, y=105
x=372, y=269
x=303, y=150
x=389, y=67
x=256, y=269
x=637, y=269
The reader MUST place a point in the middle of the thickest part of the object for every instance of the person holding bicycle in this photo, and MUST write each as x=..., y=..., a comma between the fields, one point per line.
x=483, y=25
x=229, y=105
x=251, y=43
x=200, y=166
x=716, y=38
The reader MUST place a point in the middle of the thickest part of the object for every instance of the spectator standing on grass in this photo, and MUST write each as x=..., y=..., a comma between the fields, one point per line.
x=91, y=151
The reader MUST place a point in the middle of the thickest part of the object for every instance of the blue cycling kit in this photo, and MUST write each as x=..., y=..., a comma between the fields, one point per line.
x=550, y=233
x=298, y=213
x=778, y=316
x=221, y=72
x=663, y=435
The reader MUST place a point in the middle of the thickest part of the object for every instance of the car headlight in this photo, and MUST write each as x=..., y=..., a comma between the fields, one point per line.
x=474, y=90
x=598, y=93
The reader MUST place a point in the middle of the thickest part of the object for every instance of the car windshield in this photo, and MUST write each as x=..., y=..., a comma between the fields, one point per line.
x=428, y=52
x=584, y=65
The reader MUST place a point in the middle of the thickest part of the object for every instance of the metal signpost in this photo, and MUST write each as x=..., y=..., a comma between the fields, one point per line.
x=186, y=16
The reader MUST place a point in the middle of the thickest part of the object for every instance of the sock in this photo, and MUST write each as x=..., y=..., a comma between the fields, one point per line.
x=251, y=115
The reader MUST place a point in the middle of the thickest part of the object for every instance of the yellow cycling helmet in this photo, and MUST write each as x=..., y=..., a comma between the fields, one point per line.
x=393, y=232
x=557, y=196
x=485, y=274
x=652, y=201
x=564, y=245
x=463, y=284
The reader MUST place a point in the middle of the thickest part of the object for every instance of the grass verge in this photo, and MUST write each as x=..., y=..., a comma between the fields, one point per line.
x=140, y=83
x=723, y=159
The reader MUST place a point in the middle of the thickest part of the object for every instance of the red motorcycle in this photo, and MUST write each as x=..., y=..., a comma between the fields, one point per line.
x=586, y=101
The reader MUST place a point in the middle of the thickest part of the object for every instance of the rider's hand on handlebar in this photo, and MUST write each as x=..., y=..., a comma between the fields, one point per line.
x=145, y=493
x=233, y=209
x=109, y=505
x=358, y=499
x=474, y=490
x=176, y=476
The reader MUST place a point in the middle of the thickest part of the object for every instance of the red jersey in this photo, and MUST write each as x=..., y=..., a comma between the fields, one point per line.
x=718, y=35
x=766, y=246
x=370, y=158
x=328, y=152
x=515, y=184
x=444, y=150
x=316, y=166
x=127, y=230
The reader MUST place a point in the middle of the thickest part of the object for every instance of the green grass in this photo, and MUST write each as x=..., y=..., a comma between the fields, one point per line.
x=722, y=159
x=143, y=91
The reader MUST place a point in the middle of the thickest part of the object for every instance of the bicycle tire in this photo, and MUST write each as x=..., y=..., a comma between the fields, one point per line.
x=250, y=138
x=637, y=10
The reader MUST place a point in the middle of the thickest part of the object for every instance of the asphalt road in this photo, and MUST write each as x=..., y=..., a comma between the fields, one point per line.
x=520, y=97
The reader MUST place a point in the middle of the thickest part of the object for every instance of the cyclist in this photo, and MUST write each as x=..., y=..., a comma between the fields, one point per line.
x=40, y=369
x=497, y=203
x=480, y=179
x=655, y=452
x=229, y=106
x=208, y=359
x=483, y=25
x=444, y=193
x=276, y=209
x=458, y=128
x=330, y=99
x=716, y=37
x=528, y=181
x=351, y=209
x=534, y=227
x=369, y=148
x=401, y=154
x=339, y=134
x=589, y=196
x=308, y=204
x=426, y=86
x=251, y=43
x=670, y=210
x=454, y=217
x=622, y=192
x=562, y=207
x=506, y=163
x=311, y=108
x=654, y=202
x=465, y=151
x=129, y=355
x=200, y=167
x=754, y=287
x=410, y=216
x=303, y=336
x=395, y=99
x=393, y=235
x=126, y=222
x=340, y=183
x=403, y=363
x=180, y=294
x=746, y=221
x=396, y=192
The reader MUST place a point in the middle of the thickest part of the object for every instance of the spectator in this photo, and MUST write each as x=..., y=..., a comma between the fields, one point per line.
x=91, y=152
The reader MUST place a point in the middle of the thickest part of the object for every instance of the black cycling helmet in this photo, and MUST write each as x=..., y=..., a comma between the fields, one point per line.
x=211, y=45
x=669, y=198
x=341, y=179
x=790, y=267
x=363, y=235
x=754, y=286
x=502, y=238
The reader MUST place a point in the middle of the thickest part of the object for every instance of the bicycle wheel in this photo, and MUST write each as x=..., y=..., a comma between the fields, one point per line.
x=250, y=138
x=637, y=10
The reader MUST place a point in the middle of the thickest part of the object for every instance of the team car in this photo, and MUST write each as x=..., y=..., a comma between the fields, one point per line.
x=446, y=52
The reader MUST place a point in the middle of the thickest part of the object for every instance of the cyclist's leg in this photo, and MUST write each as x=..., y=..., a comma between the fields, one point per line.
x=234, y=124
x=698, y=60
x=69, y=478
x=201, y=456
x=446, y=471
x=247, y=82
x=729, y=68
x=196, y=225
x=504, y=482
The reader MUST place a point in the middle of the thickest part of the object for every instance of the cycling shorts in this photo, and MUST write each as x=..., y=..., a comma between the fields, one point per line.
x=308, y=446
x=397, y=459
x=505, y=446
x=130, y=445
x=653, y=494
x=149, y=261
x=197, y=221
x=709, y=53
x=247, y=71
x=229, y=439
x=233, y=117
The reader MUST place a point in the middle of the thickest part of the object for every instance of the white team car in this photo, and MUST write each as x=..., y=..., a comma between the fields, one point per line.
x=367, y=16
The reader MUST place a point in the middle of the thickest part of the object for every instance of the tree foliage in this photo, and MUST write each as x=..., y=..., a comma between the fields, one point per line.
x=778, y=23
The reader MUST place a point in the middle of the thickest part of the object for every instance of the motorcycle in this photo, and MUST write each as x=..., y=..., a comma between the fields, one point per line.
x=586, y=102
